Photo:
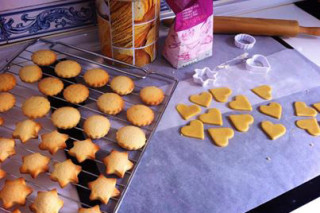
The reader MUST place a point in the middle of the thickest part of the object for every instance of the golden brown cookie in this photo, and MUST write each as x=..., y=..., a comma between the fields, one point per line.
x=35, y=107
x=122, y=85
x=44, y=57
x=66, y=117
x=16, y=211
x=65, y=172
x=6, y=148
x=50, y=86
x=151, y=95
x=14, y=192
x=7, y=82
x=2, y=173
x=131, y=137
x=117, y=163
x=96, y=126
x=96, y=77
x=103, y=189
x=110, y=103
x=47, y=202
x=140, y=115
x=1, y=121
x=7, y=101
x=30, y=73
x=34, y=164
x=76, y=93
x=26, y=130
x=83, y=150
x=53, y=141
x=67, y=69
x=95, y=209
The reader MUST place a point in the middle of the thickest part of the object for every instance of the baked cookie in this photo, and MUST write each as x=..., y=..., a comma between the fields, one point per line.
x=2, y=173
x=96, y=77
x=44, y=57
x=131, y=137
x=6, y=148
x=16, y=211
x=35, y=107
x=30, y=73
x=83, y=150
x=152, y=95
x=7, y=101
x=66, y=117
x=103, y=189
x=122, y=85
x=53, y=141
x=110, y=103
x=76, y=93
x=14, y=192
x=7, y=82
x=96, y=126
x=1, y=121
x=65, y=172
x=47, y=202
x=26, y=130
x=34, y=164
x=50, y=86
x=67, y=69
x=140, y=115
x=117, y=163
x=95, y=209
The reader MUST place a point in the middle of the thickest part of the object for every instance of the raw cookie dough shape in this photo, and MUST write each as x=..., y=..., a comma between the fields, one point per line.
x=186, y=111
x=213, y=116
x=240, y=102
x=316, y=106
x=310, y=125
x=303, y=110
x=193, y=130
x=221, y=94
x=263, y=91
x=274, y=131
x=273, y=109
x=203, y=99
x=241, y=122
x=221, y=136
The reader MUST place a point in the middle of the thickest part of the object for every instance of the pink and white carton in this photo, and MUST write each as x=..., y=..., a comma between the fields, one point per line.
x=190, y=37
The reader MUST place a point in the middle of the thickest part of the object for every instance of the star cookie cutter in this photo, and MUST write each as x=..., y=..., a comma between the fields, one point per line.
x=205, y=76
x=258, y=64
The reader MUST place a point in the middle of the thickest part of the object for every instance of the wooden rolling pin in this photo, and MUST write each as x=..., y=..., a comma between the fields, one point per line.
x=258, y=26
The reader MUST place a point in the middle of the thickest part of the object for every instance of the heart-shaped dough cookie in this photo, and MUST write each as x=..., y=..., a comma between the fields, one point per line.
x=240, y=102
x=187, y=112
x=193, y=130
x=310, y=125
x=241, y=122
x=316, y=106
x=202, y=99
x=303, y=110
x=273, y=109
x=221, y=94
x=263, y=92
x=274, y=131
x=213, y=116
x=221, y=136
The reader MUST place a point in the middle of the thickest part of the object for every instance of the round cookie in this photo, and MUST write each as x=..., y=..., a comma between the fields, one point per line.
x=96, y=126
x=140, y=115
x=30, y=73
x=7, y=101
x=35, y=107
x=76, y=93
x=131, y=137
x=44, y=57
x=65, y=117
x=50, y=86
x=122, y=85
x=7, y=82
x=67, y=69
x=110, y=103
x=151, y=95
x=96, y=77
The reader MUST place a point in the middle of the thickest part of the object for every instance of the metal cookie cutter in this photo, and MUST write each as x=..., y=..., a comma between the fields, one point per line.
x=205, y=77
x=244, y=41
x=258, y=63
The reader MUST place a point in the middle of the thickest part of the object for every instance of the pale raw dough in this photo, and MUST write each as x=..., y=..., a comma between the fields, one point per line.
x=264, y=92
x=187, y=112
x=303, y=110
x=240, y=102
x=221, y=94
x=193, y=130
x=274, y=131
x=311, y=125
x=273, y=109
x=213, y=116
x=241, y=122
x=221, y=136
x=203, y=99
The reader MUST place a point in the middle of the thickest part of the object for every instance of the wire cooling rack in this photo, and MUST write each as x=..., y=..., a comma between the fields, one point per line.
x=91, y=169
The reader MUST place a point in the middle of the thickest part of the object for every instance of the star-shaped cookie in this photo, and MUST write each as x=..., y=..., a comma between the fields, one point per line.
x=117, y=163
x=6, y=148
x=83, y=150
x=53, y=141
x=46, y=202
x=34, y=164
x=65, y=172
x=26, y=130
x=14, y=192
x=95, y=209
x=103, y=189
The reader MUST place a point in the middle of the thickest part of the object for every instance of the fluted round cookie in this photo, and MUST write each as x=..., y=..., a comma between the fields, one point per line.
x=131, y=137
x=67, y=69
x=30, y=73
x=96, y=77
x=110, y=103
x=65, y=117
x=76, y=93
x=44, y=57
x=140, y=115
x=35, y=107
x=96, y=126
x=7, y=101
x=122, y=85
x=50, y=86
x=151, y=95
x=7, y=82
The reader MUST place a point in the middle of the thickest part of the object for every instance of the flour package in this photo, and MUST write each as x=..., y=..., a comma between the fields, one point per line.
x=191, y=35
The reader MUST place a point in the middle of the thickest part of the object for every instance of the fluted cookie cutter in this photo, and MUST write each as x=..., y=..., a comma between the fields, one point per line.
x=258, y=64
x=205, y=76
x=244, y=41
